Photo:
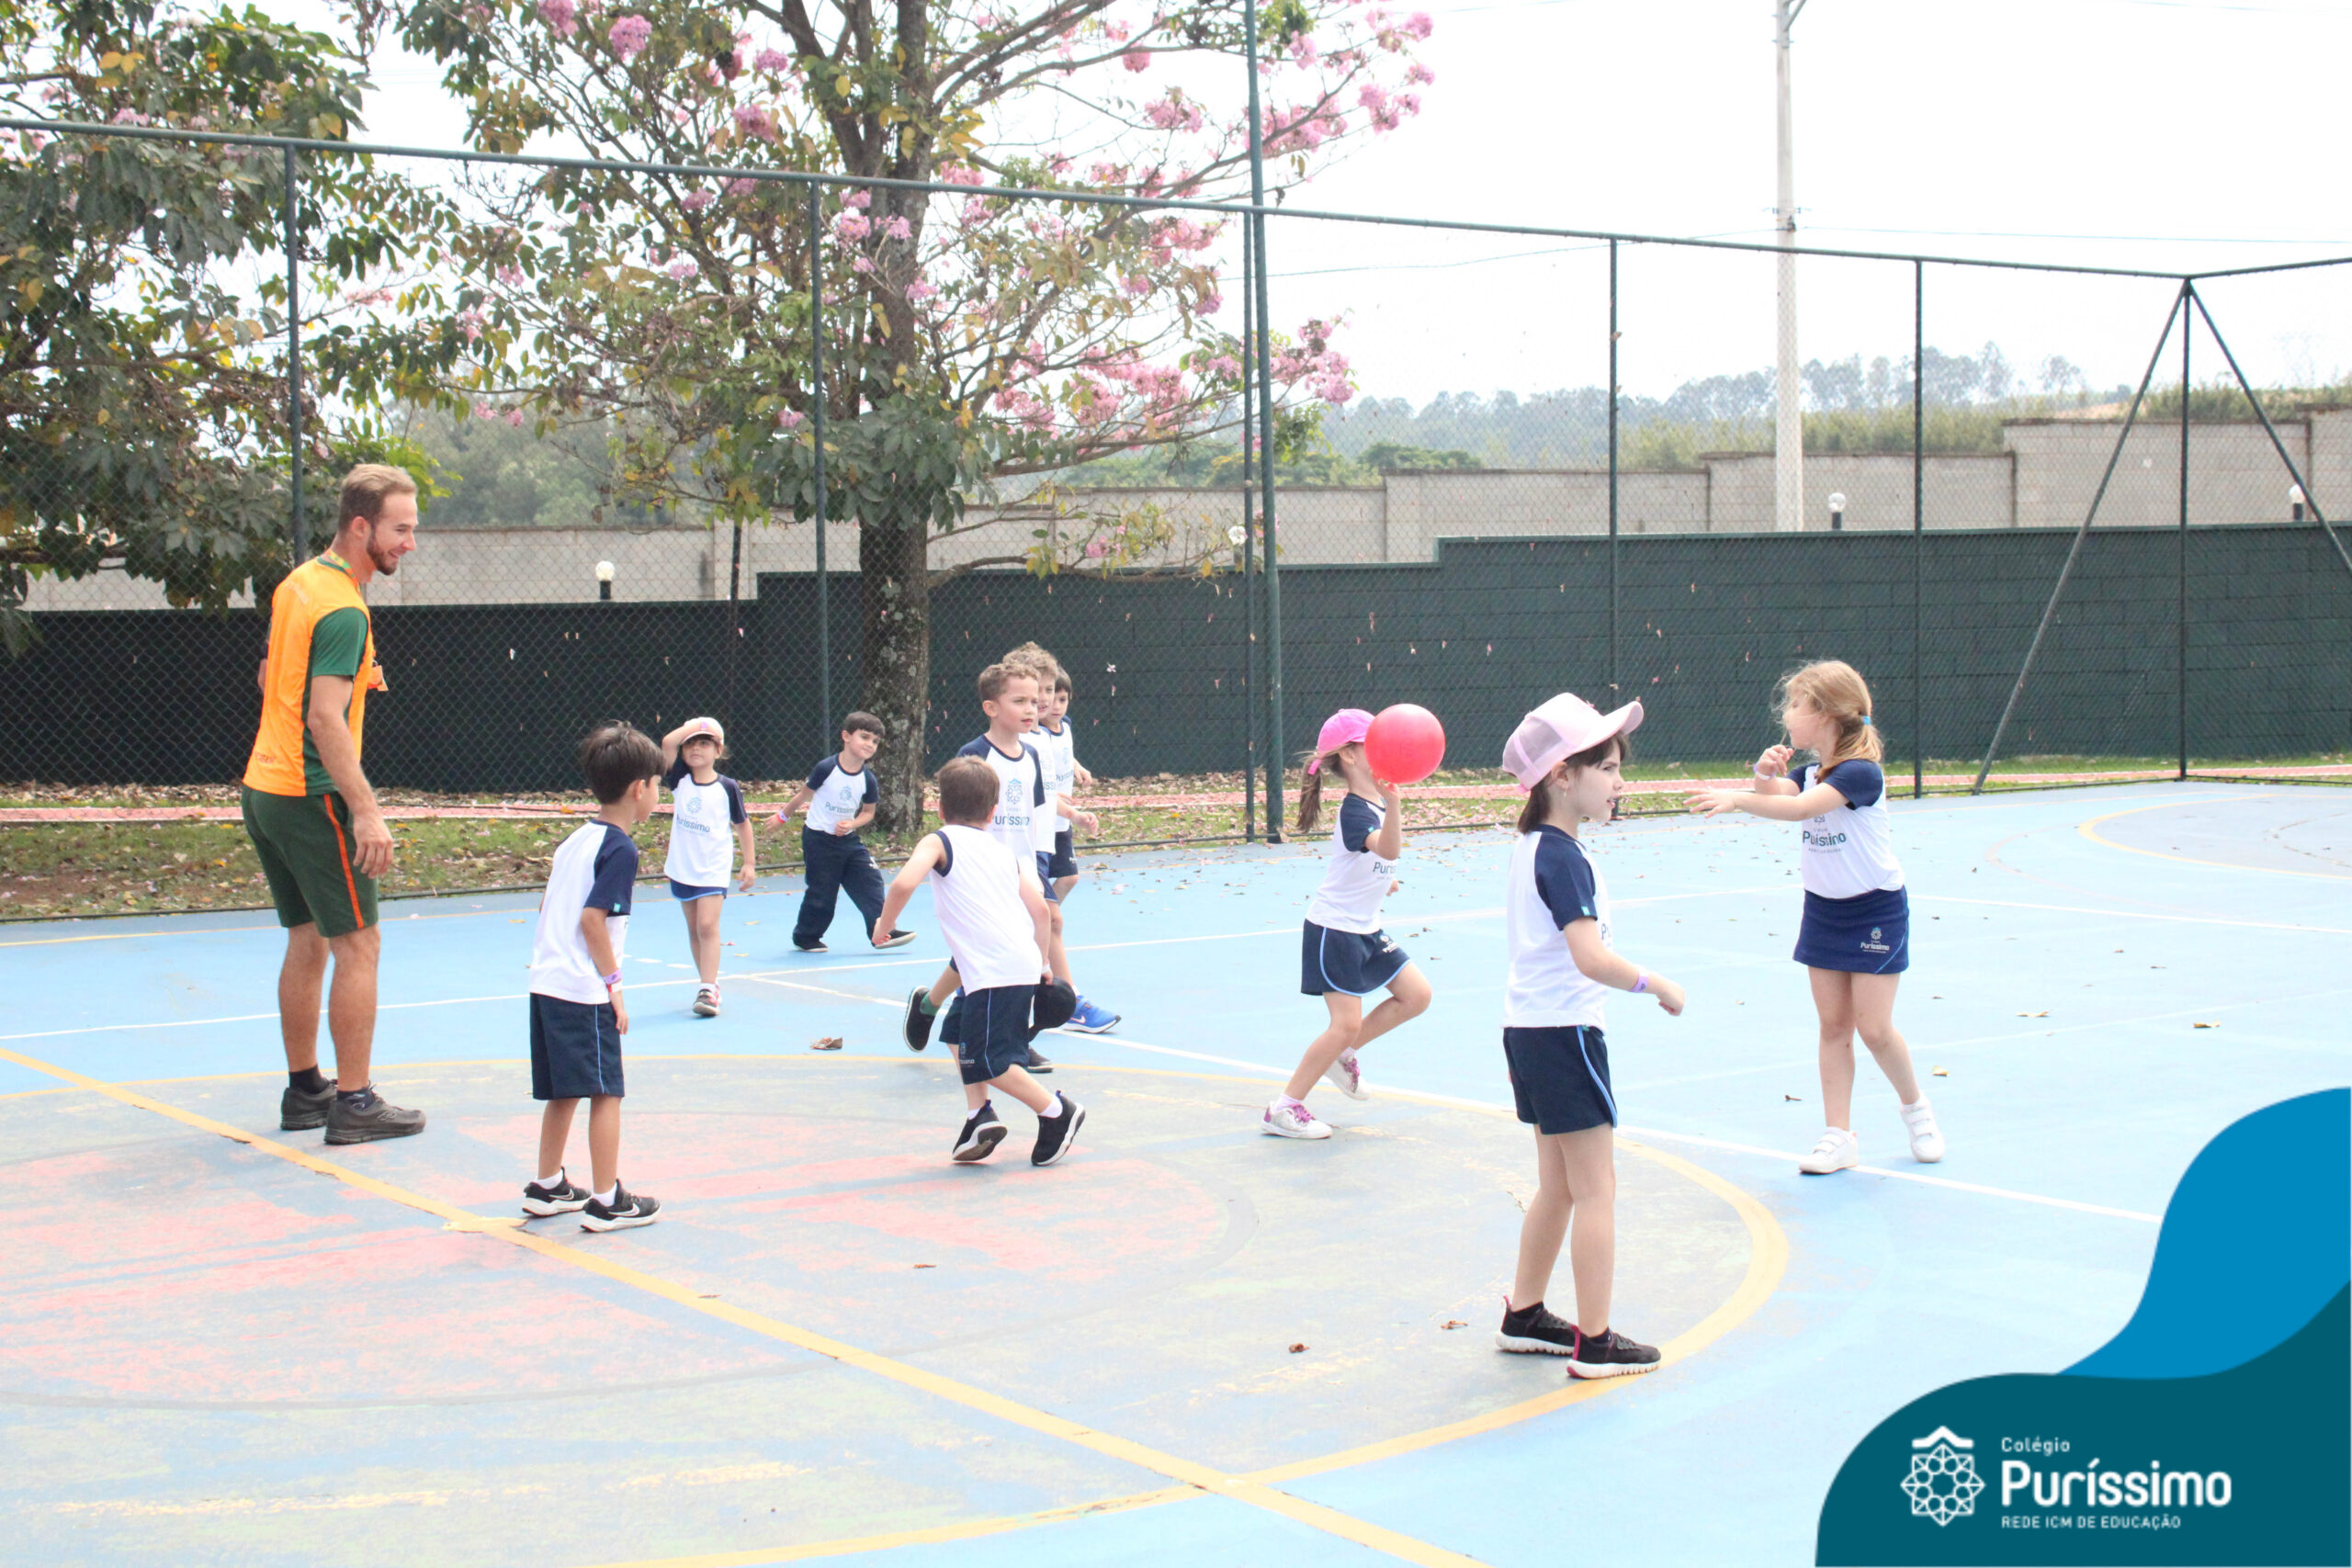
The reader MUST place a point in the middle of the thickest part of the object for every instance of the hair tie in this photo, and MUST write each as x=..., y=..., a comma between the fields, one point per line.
x=1866, y=718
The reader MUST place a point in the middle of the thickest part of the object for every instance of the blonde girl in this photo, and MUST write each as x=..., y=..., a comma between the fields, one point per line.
x=1344, y=954
x=1855, y=939
x=1570, y=759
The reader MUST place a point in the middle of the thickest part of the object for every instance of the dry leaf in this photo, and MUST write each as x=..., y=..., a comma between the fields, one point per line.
x=1297, y=1349
x=1944, y=1072
x=1792, y=1098
x=926, y=1265
x=826, y=1043
x=1453, y=1323
x=2204, y=1026
x=2043, y=1013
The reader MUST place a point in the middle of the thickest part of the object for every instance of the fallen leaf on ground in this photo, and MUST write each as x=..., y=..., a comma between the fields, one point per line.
x=1296, y=1349
x=826, y=1043
x=2204, y=1026
x=1454, y=1323
x=1792, y=1098
x=1944, y=1072
x=926, y=1265
x=2043, y=1013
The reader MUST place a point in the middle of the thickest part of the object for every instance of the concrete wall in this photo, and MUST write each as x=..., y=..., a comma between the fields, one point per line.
x=2045, y=478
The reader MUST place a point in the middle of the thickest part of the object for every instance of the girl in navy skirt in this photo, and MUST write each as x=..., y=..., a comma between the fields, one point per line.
x=1345, y=956
x=1570, y=759
x=1855, y=941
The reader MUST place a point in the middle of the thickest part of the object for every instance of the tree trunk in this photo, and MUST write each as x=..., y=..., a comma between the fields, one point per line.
x=891, y=557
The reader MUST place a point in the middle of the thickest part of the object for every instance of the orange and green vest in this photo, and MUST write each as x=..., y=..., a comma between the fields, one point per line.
x=318, y=626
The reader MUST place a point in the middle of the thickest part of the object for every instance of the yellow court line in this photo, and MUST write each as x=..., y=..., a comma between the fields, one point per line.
x=2089, y=830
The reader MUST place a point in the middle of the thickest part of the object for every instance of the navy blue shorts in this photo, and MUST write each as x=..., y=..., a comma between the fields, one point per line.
x=1046, y=876
x=1866, y=935
x=1354, y=963
x=575, y=1049
x=686, y=892
x=1065, y=861
x=994, y=1037
x=1560, y=1078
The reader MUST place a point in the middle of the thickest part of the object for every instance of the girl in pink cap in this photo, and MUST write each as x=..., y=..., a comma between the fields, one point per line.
x=1345, y=956
x=1570, y=759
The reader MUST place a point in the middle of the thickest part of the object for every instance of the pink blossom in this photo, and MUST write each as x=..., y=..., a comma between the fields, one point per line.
x=976, y=209
x=131, y=117
x=1209, y=303
x=679, y=114
x=789, y=419
x=858, y=198
x=1409, y=102
x=511, y=276
x=629, y=36
x=483, y=411
x=1135, y=59
x=560, y=15
x=960, y=175
x=683, y=268
x=741, y=187
x=1115, y=31
x=1059, y=164
x=1136, y=285
x=920, y=290
x=471, y=323
x=896, y=229
x=1302, y=49
x=861, y=263
x=1223, y=367
x=695, y=200
x=1172, y=113
x=753, y=120
x=852, y=226
x=1095, y=549
x=1420, y=74
x=1417, y=25
x=515, y=418
x=1334, y=389
x=771, y=60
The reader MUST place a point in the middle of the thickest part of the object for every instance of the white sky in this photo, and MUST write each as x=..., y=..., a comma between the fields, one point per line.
x=2167, y=133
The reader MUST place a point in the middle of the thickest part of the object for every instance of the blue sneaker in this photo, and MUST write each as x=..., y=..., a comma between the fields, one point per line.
x=1091, y=1020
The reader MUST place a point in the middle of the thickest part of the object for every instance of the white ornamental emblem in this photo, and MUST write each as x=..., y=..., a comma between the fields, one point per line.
x=1943, y=1483
x=1874, y=933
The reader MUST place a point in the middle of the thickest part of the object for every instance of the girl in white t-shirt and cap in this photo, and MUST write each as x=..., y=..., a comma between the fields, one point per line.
x=1855, y=942
x=1345, y=956
x=707, y=823
x=1570, y=759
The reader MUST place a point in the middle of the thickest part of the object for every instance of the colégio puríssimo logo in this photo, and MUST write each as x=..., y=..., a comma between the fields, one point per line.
x=1943, y=1483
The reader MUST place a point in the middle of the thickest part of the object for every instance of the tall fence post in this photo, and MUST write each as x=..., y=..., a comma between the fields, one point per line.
x=1616, y=689
x=1264, y=346
x=2180, y=564
x=2294, y=473
x=825, y=736
x=1250, y=751
x=296, y=530
x=1919, y=525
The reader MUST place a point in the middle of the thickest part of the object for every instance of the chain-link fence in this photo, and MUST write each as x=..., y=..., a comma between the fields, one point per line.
x=2058, y=547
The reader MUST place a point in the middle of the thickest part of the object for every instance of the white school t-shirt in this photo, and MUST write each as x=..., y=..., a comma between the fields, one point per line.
x=1850, y=850
x=836, y=796
x=702, y=831
x=1057, y=750
x=1021, y=793
x=595, y=868
x=1356, y=880
x=1552, y=885
x=975, y=897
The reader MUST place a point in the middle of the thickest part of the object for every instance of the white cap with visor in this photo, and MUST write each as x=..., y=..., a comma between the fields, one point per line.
x=1559, y=729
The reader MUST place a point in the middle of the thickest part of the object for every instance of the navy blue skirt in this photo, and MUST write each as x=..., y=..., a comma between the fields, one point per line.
x=1353, y=962
x=1869, y=934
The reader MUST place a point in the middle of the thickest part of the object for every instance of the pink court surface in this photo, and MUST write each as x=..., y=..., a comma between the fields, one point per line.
x=1188, y=1342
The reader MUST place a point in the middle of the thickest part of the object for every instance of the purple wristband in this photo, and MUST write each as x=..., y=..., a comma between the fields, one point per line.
x=1641, y=981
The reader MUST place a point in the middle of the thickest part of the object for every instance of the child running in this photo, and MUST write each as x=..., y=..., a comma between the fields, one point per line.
x=577, y=1013
x=1009, y=699
x=1855, y=939
x=991, y=910
x=840, y=797
x=1344, y=954
x=1570, y=759
x=1056, y=859
x=705, y=804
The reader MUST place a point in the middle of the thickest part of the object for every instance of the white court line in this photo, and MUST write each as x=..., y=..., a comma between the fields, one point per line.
x=2133, y=914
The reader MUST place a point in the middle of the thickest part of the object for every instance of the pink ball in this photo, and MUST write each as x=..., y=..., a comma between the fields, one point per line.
x=1405, y=745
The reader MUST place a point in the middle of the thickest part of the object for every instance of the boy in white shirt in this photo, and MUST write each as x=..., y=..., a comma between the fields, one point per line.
x=705, y=804
x=840, y=797
x=1056, y=856
x=991, y=910
x=577, y=1013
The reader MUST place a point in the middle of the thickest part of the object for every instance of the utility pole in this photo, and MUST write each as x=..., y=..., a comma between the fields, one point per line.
x=1787, y=433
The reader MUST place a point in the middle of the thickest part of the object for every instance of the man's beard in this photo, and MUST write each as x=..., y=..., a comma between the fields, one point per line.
x=386, y=563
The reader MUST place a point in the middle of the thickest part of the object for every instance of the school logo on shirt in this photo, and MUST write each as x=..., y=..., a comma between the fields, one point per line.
x=1943, y=1483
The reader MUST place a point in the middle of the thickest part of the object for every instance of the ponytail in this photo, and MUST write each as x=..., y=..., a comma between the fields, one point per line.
x=1310, y=788
x=1837, y=688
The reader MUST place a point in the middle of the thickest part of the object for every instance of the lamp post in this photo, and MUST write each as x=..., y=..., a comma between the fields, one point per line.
x=2295, y=502
x=1837, y=511
x=603, y=580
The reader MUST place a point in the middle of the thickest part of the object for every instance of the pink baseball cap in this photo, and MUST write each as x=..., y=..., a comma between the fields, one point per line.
x=710, y=727
x=1342, y=728
x=1558, y=730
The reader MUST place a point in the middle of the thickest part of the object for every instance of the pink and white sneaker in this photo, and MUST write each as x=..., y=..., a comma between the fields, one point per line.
x=1285, y=1118
x=1346, y=1076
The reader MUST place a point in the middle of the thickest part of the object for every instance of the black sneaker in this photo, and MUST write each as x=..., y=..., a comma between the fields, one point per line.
x=1038, y=1063
x=369, y=1119
x=896, y=938
x=1610, y=1354
x=565, y=1197
x=626, y=1211
x=1535, y=1331
x=1056, y=1136
x=918, y=1021
x=299, y=1109
x=980, y=1135
x=810, y=947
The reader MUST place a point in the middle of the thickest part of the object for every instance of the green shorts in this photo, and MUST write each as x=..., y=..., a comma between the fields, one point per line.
x=305, y=844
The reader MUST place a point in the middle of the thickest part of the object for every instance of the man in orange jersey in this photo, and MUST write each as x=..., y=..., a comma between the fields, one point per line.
x=313, y=820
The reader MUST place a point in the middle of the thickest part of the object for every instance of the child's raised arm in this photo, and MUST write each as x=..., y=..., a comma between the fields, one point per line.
x=902, y=887
x=1600, y=963
x=1389, y=842
x=670, y=744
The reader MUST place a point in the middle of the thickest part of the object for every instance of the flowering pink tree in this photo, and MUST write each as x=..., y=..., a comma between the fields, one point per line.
x=968, y=338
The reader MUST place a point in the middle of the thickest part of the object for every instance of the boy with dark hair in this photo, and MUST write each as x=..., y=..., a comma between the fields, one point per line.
x=840, y=797
x=577, y=1013
x=991, y=909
